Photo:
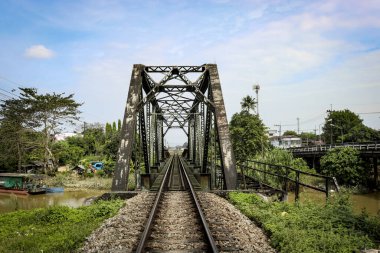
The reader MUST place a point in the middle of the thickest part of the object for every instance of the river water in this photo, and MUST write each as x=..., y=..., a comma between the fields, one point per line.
x=12, y=202
x=370, y=201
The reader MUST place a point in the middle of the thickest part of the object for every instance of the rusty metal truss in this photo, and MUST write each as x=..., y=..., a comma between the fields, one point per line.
x=161, y=98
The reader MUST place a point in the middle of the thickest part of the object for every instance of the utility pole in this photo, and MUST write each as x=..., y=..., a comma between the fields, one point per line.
x=331, y=126
x=298, y=125
x=256, y=87
x=279, y=139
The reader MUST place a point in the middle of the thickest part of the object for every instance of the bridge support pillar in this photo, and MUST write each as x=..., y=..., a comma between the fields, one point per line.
x=120, y=179
x=227, y=155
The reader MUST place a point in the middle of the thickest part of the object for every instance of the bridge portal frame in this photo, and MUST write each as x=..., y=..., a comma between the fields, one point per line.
x=144, y=120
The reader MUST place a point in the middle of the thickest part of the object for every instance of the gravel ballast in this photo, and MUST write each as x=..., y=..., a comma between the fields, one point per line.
x=232, y=230
x=121, y=233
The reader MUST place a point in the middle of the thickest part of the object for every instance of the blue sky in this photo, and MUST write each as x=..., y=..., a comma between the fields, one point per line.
x=306, y=55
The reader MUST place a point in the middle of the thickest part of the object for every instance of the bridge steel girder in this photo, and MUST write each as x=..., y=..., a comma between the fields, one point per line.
x=124, y=154
x=227, y=153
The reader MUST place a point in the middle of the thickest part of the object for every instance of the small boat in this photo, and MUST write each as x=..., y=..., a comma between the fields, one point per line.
x=37, y=191
x=14, y=191
x=23, y=184
x=54, y=189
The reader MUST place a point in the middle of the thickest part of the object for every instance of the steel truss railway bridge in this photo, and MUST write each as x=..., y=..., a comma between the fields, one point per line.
x=161, y=98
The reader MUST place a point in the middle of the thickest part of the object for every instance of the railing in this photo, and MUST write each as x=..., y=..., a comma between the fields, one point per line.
x=322, y=148
x=285, y=178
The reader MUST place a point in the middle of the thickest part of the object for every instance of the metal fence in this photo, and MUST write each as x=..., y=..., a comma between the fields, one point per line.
x=373, y=146
x=287, y=178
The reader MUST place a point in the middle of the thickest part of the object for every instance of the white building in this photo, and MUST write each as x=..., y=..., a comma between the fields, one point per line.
x=285, y=141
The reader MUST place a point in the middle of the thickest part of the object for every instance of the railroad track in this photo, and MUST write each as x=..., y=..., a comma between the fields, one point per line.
x=176, y=222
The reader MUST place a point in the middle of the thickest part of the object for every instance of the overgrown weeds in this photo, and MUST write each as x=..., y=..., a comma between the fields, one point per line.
x=310, y=227
x=53, y=229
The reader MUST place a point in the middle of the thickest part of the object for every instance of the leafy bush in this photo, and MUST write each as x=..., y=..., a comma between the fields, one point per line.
x=345, y=164
x=109, y=166
x=53, y=229
x=283, y=157
x=89, y=174
x=100, y=173
x=311, y=227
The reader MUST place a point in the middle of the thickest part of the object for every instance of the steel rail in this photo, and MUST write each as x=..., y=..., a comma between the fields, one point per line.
x=148, y=225
x=205, y=226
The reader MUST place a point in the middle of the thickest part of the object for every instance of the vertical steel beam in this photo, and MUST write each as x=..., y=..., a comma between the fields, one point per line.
x=148, y=131
x=206, y=140
x=194, y=139
x=144, y=141
x=156, y=140
x=120, y=179
x=227, y=154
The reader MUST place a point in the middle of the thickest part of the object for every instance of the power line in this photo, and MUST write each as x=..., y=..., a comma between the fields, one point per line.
x=368, y=112
x=5, y=95
x=9, y=92
x=13, y=82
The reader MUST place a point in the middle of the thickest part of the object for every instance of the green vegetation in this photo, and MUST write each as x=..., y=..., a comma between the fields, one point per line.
x=346, y=126
x=28, y=125
x=248, y=103
x=290, y=132
x=98, y=143
x=248, y=132
x=283, y=157
x=311, y=227
x=54, y=229
x=346, y=165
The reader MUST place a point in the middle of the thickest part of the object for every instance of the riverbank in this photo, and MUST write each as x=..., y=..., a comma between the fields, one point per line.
x=368, y=202
x=310, y=227
x=74, y=182
x=75, y=198
x=53, y=229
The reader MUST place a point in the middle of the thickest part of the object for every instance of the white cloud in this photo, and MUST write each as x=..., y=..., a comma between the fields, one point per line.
x=39, y=51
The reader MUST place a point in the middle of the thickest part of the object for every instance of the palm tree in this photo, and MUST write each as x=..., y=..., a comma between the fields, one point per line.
x=248, y=103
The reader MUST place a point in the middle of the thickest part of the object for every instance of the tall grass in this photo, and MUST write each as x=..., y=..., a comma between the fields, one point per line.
x=310, y=227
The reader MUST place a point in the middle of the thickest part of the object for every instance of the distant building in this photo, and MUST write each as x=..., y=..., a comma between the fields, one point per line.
x=271, y=133
x=63, y=136
x=285, y=141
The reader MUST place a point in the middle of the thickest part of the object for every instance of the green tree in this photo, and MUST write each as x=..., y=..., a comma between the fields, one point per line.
x=108, y=129
x=248, y=135
x=346, y=126
x=118, y=125
x=50, y=112
x=290, y=132
x=94, y=139
x=248, y=103
x=307, y=138
x=111, y=145
x=67, y=154
x=16, y=133
x=345, y=164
